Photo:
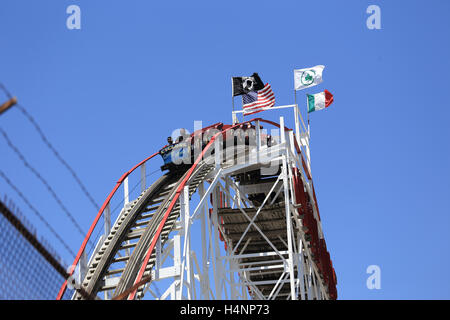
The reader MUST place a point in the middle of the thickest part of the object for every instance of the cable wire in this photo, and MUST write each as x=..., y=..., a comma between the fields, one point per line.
x=54, y=151
x=46, y=184
x=36, y=212
x=40, y=248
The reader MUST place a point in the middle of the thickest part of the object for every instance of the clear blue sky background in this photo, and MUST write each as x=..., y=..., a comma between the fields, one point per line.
x=109, y=94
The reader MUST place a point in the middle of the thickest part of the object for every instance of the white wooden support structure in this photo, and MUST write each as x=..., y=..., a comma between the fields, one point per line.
x=143, y=177
x=107, y=219
x=240, y=236
x=126, y=194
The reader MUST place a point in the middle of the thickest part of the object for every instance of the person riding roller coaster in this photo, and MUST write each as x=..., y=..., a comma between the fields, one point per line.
x=183, y=136
x=175, y=154
x=179, y=155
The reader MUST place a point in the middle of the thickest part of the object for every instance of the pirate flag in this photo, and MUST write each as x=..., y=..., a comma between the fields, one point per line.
x=242, y=85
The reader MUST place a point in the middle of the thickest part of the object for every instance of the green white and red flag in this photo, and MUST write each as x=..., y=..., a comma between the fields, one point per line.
x=319, y=100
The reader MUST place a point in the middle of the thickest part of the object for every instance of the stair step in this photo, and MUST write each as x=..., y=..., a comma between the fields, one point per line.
x=170, y=186
x=107, y=287
x=147, y=215
x=121, y=259
x=158, y=200
x=155, y=201
x=140, y=223
x=128, y=245
x=134, y=234
x=164, y=193
x=149, y=209
x=114, y=271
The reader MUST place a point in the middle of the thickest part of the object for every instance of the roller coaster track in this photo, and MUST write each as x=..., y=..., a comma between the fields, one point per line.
x=134, y=231
x=127, y=253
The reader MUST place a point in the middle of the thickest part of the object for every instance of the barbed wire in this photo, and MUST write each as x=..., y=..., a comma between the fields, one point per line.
x=37, y=213
x=46, y=184
x=50, y=146
x=34, y=242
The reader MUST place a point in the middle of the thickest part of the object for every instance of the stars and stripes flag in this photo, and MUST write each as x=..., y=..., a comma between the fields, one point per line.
x=257, y=101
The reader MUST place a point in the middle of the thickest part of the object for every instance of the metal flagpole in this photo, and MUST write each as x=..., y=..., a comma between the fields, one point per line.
x=309, y=137
x=243, y=115
x=296, y=111
x=307, y=113
x=232, y=102
x=296, y=116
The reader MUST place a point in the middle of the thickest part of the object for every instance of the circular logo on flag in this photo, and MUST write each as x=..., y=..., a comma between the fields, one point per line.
x=307, y=77
x=248, y=84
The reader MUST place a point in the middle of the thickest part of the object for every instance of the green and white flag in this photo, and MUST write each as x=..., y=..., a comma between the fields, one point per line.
x=319, y=100
x=309, y=77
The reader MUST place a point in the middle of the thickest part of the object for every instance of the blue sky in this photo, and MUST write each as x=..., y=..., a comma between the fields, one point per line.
x=108, y=95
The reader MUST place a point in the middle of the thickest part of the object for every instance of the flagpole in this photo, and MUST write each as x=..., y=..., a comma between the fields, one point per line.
x=307, y=114
x=234, y=117
x=308, y=139
x=243, y=115
x=296, y=116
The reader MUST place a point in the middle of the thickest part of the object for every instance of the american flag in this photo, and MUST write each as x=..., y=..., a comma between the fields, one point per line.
x=255, y=102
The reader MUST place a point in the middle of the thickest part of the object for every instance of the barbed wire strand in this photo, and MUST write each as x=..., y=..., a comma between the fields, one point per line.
x=37, y=213
x=40, y=248
x=50, y=146
x=46, y=184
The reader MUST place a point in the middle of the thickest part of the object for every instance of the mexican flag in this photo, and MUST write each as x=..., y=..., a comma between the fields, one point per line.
x=319, y=101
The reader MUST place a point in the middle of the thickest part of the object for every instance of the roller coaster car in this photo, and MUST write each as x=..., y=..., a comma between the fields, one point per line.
x=180, y=155
x=176, y=156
